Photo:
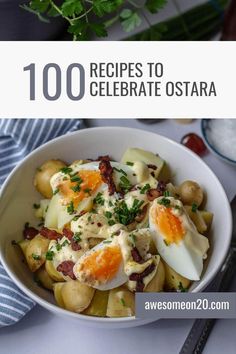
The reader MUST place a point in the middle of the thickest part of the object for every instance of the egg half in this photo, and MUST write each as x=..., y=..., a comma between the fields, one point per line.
x=176, y=237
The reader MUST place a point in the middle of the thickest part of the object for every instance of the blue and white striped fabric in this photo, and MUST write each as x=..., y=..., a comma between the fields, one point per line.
x=18, y=137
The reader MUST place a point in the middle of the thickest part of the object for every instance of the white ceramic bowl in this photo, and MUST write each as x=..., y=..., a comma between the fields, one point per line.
x=18, y=195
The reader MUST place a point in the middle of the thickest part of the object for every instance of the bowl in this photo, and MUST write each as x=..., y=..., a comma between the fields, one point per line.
x=219, y=136
x=18, y=195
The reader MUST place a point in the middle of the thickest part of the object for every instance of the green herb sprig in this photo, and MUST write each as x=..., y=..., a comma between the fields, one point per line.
x=93, y=16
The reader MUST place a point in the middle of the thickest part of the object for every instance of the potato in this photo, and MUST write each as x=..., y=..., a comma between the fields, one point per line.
x=76, y=296
x=94, y=241
x=173, y=280
x=152, y=247
x=43, y=278
x=207, y=217
x=190, y=192
x=135, y=154
x=57, y=293
x=36, y=252
x=98, y=306
x=43, y=207
x=157, y=283
x=197, y=219
x=52, y=272
x=121, y=303
x=44, y=174
x=23, y=245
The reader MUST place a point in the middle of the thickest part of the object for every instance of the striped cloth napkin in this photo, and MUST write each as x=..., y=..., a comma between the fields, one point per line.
x=18, y=137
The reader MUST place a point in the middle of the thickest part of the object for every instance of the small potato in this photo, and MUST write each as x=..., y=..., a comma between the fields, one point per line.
x=52, y=272
x=44, y=174
x=98, y=306
x=157, y=283
x=76, y=296
x=43, y=278
x=197, y=219
x=57, y=293
x=121, y=303
x=207, y=217
x=36, y=252
x=173, y=280
x=24, y=245
x=190, y=192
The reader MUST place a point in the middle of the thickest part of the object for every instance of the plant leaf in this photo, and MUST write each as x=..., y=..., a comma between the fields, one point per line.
x=101, y=7
x=154, y=5
x=71, y=7
x=39, y=5
x=131, y=22
x=99, y=29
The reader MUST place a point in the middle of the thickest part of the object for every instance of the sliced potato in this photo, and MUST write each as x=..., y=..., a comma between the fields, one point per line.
x=23, y=245
x=44, y=174
x=36, y=252
x=207, y=217
x=157, y=282
x=197, y=219
x=52, y=272
x=98, y=306
x=135, y=154
x=57, y=293
x=152, y=247
x=43, y=278
x=173, y=280
x=121, y=303
x=76, y=296
x=43, y=206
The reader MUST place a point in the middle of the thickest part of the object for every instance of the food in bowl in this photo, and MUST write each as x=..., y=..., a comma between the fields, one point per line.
x=110, y=229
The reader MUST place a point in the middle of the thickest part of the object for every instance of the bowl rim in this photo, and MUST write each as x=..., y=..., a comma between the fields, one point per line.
x=211, y=147
x=93, y=319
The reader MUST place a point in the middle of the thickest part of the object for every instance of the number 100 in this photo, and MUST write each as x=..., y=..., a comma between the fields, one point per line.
x=57, y=84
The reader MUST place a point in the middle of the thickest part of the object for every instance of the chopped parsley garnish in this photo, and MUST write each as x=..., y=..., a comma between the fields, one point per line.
x=64, y=243
x=120, y=170
x=129, y=163
x=124, y=215
x=166, y=194
x=164, y=201
x=107, y=241
x=181, y=288
x=194, y=207
x=58, y=246
x=110, y=203
x=133, y=238
x=76, y=218
x=99, y=199
x=177, y=207
x=36, y=206
x=111, y=222
x=108, y=214
x=122, y=301
x=76, y=178
x=65, y=178
x=55, y=191
x=145, y=188
x=49, y=255
x=76, y=188
x=125, y=184
x=89, y=218
x=66, y=170
x=87, y=190
x=77, y=237
x=70, y=208
x=36, y=257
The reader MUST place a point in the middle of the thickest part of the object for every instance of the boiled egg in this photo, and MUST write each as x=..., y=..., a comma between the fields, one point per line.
x=102, y=267
x=176, y=237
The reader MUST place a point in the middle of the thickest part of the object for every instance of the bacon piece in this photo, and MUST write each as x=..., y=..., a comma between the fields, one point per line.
x=139, y=286
x=29, y=232
x=104, y=158
x=161, y=187
x=69, y=234
x=140, y=276
x=66, y=268
x=136, y=255
x=50, y=234
x=106, y=173
x=152, y=194
x=142, y=213
x=153, y=167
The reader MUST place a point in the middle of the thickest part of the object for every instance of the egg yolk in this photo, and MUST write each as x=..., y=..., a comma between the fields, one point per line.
x=103, y=264
x=80, y=186
x=170, y=225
